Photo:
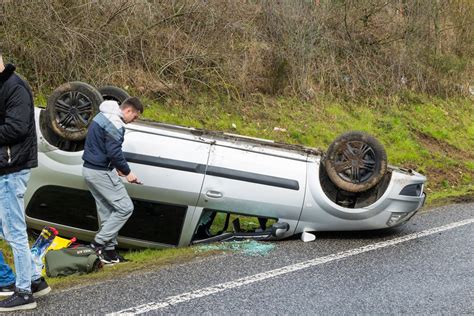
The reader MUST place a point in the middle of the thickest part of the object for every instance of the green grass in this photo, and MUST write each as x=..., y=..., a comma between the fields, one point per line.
x=459, y=194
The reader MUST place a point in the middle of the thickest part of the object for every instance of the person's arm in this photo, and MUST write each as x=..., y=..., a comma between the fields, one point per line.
x=117, y=159
x=17, y=117
x=115, y=154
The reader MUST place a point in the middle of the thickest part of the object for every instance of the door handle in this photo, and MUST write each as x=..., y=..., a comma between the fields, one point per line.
x=214, y=194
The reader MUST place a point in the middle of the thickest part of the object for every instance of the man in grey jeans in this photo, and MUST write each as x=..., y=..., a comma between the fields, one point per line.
x=104, y=162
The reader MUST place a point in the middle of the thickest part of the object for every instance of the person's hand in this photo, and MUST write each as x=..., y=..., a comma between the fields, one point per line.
x=120, y=173
x=132, y=178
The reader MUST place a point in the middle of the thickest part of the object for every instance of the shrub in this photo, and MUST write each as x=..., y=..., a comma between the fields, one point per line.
x=243, y=47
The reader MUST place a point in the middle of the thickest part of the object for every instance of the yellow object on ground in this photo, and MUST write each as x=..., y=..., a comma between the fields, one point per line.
x=59, y=242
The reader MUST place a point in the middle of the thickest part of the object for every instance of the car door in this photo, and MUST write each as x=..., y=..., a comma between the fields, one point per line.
x=171, y=167
x=254, y=180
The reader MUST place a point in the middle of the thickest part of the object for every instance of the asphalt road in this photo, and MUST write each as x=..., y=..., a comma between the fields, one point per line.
x=425, y=267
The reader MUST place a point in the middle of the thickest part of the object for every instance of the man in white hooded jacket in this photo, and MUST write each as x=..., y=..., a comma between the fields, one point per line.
x=104, y=162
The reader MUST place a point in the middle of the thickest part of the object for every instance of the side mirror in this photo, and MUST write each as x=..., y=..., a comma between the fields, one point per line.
x=279, y=229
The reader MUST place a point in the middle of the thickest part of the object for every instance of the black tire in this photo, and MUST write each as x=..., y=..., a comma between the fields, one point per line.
x=114, y=93
x=71, y=108
x=355, y=162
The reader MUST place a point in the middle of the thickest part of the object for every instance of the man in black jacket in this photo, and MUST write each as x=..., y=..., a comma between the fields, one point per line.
x=18, y=154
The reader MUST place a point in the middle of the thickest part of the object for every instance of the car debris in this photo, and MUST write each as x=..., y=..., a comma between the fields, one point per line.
x=307, y=237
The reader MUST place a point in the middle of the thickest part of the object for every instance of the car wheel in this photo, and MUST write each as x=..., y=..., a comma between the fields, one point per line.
x=114, y=93
x=355, y=162
x=71, y=108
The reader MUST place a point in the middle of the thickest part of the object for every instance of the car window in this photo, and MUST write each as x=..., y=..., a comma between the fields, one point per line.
x=213, y=223
x=155, y=222
x=150, y=221
x=66, y=206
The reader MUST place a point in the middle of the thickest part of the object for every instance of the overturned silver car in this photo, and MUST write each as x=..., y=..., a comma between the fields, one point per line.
x=201, y=186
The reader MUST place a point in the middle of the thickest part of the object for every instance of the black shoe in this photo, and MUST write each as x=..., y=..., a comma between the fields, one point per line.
x=112, y=257
x=98, y=248
x=18, y=301
x=7, y=290
x=40, y=287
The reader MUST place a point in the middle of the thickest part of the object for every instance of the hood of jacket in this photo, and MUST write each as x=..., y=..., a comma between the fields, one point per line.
x=111, y=110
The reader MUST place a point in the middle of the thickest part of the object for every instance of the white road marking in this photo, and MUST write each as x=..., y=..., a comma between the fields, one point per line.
x=184, y=297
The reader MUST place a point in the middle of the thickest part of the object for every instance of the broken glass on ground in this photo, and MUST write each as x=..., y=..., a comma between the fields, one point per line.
x=246, y=247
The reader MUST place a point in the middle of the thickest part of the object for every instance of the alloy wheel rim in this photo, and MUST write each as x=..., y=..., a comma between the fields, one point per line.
x=73, y=110
x=355, y=162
